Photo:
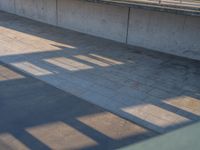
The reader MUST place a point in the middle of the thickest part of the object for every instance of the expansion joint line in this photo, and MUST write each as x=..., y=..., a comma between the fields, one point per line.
x=57, y=12
x=128, y=23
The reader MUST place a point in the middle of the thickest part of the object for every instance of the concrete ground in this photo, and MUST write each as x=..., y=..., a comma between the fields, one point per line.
x=35, y=115
x=157, y=91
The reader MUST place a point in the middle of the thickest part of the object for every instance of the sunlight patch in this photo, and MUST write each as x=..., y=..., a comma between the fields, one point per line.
x=155, y=115
x=59, y=135
x=186, y=103
x=15, y=43
x=31, y=68
x=9, y=142
x=68, y=64
x=106, y=60
x=7, y=74
x=112, y=125
x=92, y=60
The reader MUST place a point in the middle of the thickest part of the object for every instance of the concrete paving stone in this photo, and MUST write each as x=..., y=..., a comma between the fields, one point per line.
x=102, y=90
x=133, y=92
x=137, y=85
x=168, y=86
x=101, y=100
x=126, y=100
x=163, y=94
x=108, y=83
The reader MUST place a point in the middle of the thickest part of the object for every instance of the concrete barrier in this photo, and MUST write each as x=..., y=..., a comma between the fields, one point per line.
x=161, y=31
x=96, y=19
x=40, y=10
x=165, y=32
x=7, y=5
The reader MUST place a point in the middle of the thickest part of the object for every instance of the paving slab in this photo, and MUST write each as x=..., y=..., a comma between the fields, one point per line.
x=155, y=90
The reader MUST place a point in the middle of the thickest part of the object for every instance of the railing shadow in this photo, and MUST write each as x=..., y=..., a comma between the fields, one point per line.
x=29, y=106
x=142, y=86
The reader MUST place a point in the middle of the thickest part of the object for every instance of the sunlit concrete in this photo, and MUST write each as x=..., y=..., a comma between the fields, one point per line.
x=36, y=115
x=32, y=69
x=106, y=125
x=9, y=142
x=146, y=87
x=186, y=103
x=59, y=135
x=68, y=64
x=155, y=115
x=37, y=43
x=7, y=74
x=170, y=30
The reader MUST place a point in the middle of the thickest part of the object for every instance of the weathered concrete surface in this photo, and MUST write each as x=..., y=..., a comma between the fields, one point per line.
x=165, y=32
x=35, y=115
x=40, y=10
x=7, y=5
x=160, y=31
x=96, y=19
x=155, y=90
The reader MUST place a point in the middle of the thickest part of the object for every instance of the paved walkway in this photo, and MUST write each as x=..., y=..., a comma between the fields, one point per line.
x=157, y=91
x=37, y=116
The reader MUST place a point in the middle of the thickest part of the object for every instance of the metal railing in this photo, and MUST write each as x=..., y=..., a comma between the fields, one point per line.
x=189, y=7
x=178, y=3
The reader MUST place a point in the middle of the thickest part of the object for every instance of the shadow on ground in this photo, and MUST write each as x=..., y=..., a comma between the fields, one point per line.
x=36, y=115
x=157, y=91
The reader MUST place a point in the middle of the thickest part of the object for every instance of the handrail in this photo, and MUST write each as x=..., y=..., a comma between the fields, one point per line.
x=187, y=7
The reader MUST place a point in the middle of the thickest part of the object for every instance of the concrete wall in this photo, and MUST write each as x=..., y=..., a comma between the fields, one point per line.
x=169, y=33
x=7, y=5
x=161, y=31
x=40, y=10
x=96, y=19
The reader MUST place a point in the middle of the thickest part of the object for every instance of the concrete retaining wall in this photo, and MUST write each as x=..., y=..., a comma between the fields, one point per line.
x=161, y=31
x=96, y=19
x=40, y=10
x=7, y=5
x=169, y=33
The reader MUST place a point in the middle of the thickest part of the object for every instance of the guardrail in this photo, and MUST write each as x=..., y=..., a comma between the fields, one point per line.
x=178, y=3
x=186, y=7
